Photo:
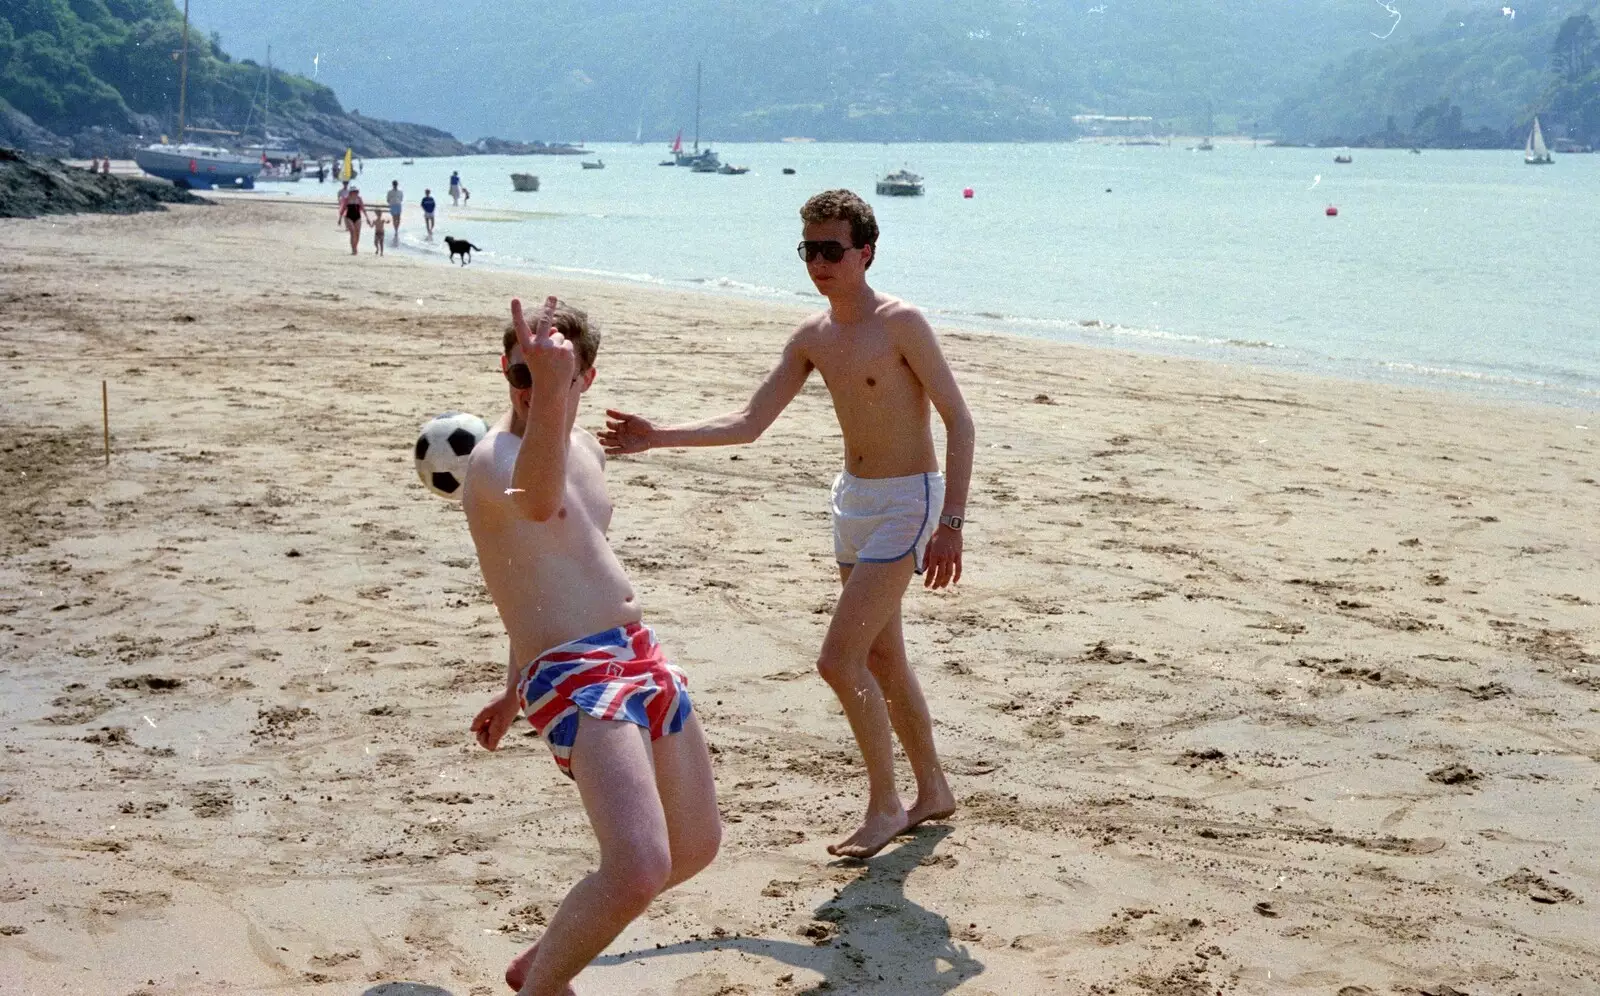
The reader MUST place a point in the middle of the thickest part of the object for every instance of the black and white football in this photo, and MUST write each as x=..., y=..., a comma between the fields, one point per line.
x=443, y=448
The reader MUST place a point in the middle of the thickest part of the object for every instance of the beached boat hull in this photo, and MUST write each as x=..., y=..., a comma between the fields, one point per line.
x=198, y=167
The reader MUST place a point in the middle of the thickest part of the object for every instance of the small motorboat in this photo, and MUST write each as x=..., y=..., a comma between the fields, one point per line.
x=408, y=162
x=597, y=164
x=728, y=169
x=525, y=183
x=1343, y=159
x=901, y=183
x=788, y=171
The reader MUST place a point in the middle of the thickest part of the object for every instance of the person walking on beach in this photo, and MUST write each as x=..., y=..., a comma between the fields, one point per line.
x=378, y=221
x=397, y=199
x=893, y=512
x=455, y=189
x=352, y=207
x=615, y=713
x=428, y=205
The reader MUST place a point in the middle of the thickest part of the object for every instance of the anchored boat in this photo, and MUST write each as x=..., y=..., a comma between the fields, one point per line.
x=901, y=183
x=195, y=167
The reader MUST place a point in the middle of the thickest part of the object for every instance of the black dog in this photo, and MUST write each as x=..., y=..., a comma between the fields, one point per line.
x=460, y=247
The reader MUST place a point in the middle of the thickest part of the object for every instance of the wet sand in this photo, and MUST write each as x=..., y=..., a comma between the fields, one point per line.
x=1254, y=683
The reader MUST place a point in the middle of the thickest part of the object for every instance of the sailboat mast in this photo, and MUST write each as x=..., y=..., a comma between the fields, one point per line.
x=183, y=72
x=266, y=114
x=697, y=68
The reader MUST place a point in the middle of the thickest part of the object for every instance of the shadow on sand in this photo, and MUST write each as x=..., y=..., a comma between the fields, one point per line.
x=885, y=943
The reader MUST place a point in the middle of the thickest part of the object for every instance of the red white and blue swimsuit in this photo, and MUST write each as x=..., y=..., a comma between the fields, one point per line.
x=621, y=674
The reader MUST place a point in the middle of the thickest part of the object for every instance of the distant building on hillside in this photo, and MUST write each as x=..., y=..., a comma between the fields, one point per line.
x=1118, y=125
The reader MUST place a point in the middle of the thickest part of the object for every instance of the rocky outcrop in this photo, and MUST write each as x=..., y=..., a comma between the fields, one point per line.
x=31, y=186
x=17, y=131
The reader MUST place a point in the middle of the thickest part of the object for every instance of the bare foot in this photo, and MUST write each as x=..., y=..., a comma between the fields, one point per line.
x=870, y=838
x=517, y=971
x=934, y=805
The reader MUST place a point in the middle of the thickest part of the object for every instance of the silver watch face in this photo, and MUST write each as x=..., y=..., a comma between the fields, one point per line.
x=953, y=521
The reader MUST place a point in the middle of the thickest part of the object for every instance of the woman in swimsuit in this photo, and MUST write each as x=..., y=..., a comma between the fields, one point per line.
x=352, y=218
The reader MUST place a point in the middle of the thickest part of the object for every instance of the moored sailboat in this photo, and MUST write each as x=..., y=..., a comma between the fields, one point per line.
x=700, y=162
x=190, y=166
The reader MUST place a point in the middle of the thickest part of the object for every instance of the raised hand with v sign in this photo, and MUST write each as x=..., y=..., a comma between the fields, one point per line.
x=551, y=359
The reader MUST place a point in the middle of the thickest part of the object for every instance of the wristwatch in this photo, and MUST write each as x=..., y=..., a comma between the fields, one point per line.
x=952, y=521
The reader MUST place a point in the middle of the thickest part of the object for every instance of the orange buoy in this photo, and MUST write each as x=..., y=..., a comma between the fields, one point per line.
x=1332, y=211
x=967, y=193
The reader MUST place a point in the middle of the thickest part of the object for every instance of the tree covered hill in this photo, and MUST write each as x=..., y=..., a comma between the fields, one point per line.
x=1436, y=72
x=91, y=76
x=830, y=69
x=1475, y=77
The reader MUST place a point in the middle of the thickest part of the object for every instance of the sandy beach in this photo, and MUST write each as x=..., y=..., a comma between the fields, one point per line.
x=1254, y=683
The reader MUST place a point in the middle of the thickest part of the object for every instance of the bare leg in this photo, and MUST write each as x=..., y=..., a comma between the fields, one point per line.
x=612, y=764
x=870, y=598
x=688, y=799
x=908, y=711
x=354, y=227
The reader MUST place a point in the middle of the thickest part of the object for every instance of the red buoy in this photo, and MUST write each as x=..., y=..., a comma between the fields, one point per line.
x=1332, y=211
x=967, y=193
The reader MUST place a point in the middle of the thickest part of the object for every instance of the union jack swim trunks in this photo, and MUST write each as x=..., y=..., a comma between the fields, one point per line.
x=620, y=674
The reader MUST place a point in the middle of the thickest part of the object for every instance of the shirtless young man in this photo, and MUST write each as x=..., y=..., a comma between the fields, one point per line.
x=590, y=677
x=893, y=512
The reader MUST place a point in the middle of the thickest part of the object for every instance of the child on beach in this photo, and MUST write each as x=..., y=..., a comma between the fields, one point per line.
x=893, y=512
x=428, y=204
x=587, y=673
x=379, y=220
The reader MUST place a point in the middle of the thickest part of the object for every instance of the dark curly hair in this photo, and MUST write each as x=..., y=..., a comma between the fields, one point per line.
x=845, y=205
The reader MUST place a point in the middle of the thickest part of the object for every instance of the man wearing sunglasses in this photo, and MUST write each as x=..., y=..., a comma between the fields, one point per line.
x=615, y=713
x=893, y=512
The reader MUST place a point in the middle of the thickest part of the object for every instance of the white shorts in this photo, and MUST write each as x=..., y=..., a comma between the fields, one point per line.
x=884, y=519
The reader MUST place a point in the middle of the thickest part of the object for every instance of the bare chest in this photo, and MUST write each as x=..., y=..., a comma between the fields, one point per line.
x=586, y=490
x=865, y=371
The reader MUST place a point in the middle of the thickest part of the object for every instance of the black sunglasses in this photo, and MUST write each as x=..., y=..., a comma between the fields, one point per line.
x=518, y=375
x=521, y=378
x=830, y=250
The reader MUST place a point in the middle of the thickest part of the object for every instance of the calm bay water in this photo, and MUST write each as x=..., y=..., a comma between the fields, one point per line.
x=1454, y=269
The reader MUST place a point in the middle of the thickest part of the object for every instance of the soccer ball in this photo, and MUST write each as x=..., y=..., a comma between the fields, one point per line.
x=443, y=448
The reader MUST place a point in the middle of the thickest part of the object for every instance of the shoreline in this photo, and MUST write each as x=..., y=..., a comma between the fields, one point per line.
x=1257, y=681
x=1556, y=375
x=1486, y=387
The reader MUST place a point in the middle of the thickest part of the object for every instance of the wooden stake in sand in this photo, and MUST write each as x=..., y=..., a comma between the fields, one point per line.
x=105, y=419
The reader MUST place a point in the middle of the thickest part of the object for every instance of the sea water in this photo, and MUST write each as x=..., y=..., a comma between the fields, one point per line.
x=1460, y=269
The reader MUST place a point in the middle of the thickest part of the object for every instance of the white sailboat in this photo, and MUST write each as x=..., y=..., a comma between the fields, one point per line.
x=280, y=157
x=1536, y=154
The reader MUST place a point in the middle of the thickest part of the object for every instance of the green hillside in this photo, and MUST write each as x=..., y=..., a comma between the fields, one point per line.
x=110, y=62
x=871, y=70
x=1474, y=79
x=97, y=77
x=1446, y=73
